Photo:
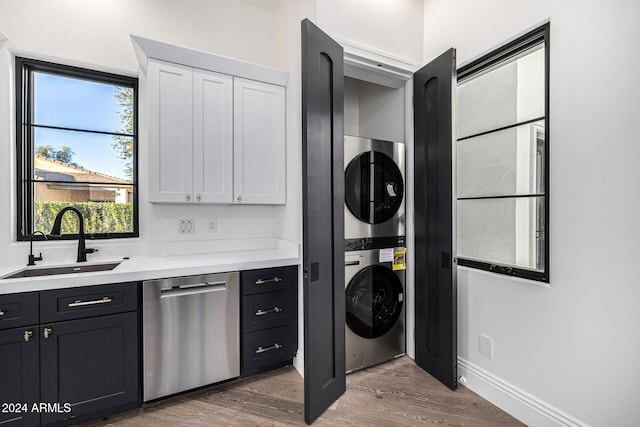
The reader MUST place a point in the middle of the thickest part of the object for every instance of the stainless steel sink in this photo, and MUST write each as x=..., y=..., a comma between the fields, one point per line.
x=70, y=269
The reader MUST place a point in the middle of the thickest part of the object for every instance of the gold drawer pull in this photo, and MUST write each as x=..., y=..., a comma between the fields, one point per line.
x=276, y=346
x=262, y=312
x=80, y=303
x=47, y=332
x=262, y=282
x=27, y=335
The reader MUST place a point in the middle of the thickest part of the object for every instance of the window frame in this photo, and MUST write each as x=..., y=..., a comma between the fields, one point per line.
x=481, y=65
x=25, y=148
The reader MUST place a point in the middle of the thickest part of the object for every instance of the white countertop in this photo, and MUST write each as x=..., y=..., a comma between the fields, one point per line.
x=235, y=257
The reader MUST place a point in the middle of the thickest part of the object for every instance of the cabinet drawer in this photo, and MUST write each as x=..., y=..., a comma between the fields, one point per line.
x=18, y=310
x=76, y=303
x=267, y=348
x=269, y=310
x=269, y=279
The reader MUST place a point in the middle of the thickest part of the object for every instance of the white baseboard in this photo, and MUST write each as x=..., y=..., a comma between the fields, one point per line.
x=513, y=400
x=298, y=363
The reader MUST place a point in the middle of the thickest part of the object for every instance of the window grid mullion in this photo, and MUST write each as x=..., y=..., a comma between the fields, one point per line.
x=100, y=132
x=490, y=131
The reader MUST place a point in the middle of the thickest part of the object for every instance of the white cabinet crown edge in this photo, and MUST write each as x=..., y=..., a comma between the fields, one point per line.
x=147, y=48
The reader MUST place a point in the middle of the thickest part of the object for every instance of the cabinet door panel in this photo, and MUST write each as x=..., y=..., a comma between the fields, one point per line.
x=259, y=142
x=19, y=376
x=170, y=132
x=92, y=364
x=212, y=137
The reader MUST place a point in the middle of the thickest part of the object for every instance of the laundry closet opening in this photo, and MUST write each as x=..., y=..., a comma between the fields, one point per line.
x=375, y=232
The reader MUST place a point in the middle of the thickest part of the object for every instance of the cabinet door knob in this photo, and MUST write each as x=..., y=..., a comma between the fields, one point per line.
x=198, y=197
x=1, y=313
x=188, y=197
x=27, y=335
x=238, y=198
x=47, y=332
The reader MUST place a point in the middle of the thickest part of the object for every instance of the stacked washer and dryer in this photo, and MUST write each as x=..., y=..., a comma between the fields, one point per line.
x=374, y=251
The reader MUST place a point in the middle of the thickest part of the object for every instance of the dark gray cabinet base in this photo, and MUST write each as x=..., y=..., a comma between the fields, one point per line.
x=269, y=319
x=71, y=355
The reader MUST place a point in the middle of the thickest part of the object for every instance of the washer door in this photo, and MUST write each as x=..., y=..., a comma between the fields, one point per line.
x=373, y=187
x=374, y=301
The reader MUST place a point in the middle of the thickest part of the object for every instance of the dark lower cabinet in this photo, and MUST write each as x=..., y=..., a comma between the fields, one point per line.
x=269, y=319
x=89, y=367
x=81, y=365
x=19, y=376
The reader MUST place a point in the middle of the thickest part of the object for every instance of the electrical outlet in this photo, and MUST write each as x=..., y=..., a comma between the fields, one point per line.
x=212, y=225
x=186, y=226
x=486, y=345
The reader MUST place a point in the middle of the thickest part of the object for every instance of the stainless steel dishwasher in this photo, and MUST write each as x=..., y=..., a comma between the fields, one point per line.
x=191, y=332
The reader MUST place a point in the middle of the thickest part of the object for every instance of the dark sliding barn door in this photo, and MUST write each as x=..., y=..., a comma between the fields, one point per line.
x=323, y=220
x=435, y=281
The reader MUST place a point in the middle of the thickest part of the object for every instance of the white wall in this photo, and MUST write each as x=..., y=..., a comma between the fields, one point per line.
x=374, y=111
x=96, y=35
x=391, y=27
x=572, y=348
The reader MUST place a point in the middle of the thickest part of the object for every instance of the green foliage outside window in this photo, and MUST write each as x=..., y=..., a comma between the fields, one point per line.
x=99, y=217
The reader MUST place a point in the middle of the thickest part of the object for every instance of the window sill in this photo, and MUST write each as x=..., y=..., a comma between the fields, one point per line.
x=516, y=279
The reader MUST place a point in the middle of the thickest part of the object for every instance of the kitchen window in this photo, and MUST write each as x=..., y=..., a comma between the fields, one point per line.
x=76, y=145
x=503, y=159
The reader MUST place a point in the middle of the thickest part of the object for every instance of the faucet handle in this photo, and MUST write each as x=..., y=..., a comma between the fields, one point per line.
x=33, y=259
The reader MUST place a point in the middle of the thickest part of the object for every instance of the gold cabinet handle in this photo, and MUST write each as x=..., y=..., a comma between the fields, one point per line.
x=27, y=335
x=263, y=281
x=198, y=197
x=188, y=197
x=276, y=346
x=262, y=312
x=80, y=303
x=1, y=313
x=47, y=332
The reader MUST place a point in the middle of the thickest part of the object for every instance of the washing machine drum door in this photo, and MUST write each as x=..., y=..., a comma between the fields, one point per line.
x=373, y=187
x=374, y=301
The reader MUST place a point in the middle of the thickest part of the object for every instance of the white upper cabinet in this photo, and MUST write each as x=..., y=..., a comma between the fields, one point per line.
x=259, y=149
x=214, y=137
x=190, y=135
x=170, y=133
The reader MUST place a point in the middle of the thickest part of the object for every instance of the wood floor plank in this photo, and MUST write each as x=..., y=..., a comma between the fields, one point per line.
x=392, y=394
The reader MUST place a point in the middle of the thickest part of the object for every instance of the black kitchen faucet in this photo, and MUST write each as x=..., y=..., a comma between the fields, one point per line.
x=55, y=231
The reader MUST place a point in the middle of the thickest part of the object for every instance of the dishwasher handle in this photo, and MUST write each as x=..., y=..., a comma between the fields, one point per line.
x=198, y=288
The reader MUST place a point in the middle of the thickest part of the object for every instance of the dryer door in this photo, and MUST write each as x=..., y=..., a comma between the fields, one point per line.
x=373, y=187
x=374, y=301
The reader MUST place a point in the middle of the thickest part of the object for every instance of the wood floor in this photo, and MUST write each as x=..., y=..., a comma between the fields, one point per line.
x=396, y=393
